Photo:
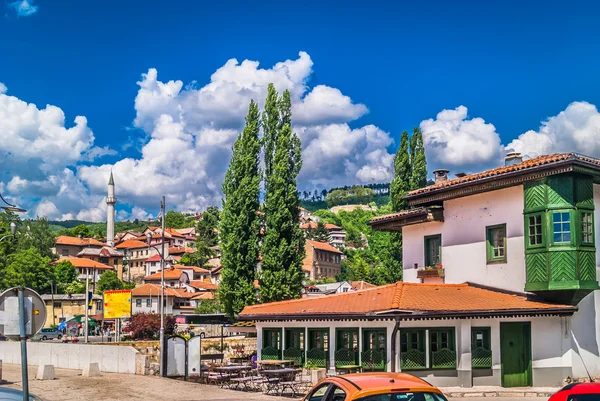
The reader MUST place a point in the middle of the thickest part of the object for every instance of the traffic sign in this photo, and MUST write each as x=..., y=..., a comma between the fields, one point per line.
x=35, y=313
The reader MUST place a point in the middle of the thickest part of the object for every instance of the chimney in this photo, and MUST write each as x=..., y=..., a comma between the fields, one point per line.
x=513, y=158
x=441, y=175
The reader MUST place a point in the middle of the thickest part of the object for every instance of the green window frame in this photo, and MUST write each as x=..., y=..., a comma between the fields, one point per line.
x=481, y=347
x=317, y=353
x=442, y=348
x=586, y=220
x=374, y=349
x=412, y=349
x=562, y=227
x=272, y=338
x=496, y=243
x=536, y=227
x=433, y=250
x=346, y=338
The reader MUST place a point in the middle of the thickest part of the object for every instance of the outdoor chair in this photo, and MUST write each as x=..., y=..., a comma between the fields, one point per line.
x=297, y=386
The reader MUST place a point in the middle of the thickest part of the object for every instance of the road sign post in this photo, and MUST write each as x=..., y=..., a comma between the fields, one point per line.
x=22, y=315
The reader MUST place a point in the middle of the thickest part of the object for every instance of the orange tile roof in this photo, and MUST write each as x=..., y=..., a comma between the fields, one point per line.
x=181, y=249
x=153, y=290
x=66, y=240
x=323, y=246
x=82, y=263
x=361, y=285
x=314, y=225
x=203, y=285
x=154, y=258
x=403, y=214
x=170, y=274
x=204, y=295
x=498, y=172
x=174, y=232
x=196, y=269
x=131, y=244
x=411, y=298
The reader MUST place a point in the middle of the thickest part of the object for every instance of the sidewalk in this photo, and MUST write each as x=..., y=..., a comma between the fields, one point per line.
x=493, y=391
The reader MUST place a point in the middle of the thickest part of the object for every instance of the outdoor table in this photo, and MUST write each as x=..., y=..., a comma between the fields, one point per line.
x=349, y=368
x=276, y=376
x=275, y=364
x=239, y=360
x=227, y=373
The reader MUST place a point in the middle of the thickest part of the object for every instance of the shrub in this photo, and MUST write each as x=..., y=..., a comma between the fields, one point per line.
x=147, y=326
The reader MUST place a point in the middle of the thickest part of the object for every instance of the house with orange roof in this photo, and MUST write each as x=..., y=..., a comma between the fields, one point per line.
x=174, y=278
x=87, y=268
x=321, y=260
x=500, y=284
x=337, y=235
x=107, y=255
x=136, y=253
x=178, y=301
x=66, y=246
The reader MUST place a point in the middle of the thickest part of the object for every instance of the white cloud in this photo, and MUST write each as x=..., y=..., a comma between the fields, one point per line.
x=140, y=214
x=575, y=129
x=192, y=129
x=3, y=88
x=23, y=8
x=454, y=141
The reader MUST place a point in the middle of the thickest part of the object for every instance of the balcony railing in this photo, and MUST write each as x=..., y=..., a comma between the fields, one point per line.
x=430, y=272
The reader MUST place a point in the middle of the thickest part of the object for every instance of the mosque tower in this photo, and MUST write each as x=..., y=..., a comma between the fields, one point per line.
x=111, y=200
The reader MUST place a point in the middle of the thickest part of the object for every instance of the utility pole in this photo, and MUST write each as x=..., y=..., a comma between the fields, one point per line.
x=162, y=291
x=87, y=291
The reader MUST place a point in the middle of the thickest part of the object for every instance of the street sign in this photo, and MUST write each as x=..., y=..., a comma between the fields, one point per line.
x=35, y=313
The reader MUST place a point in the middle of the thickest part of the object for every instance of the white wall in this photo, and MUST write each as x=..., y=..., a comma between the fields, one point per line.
x=155, y=305
x=114, y=359
x=464, y=240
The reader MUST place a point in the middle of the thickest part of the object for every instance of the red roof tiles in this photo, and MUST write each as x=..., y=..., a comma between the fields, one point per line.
x=170, y=274
x=405, y=213
x=203, y=285
x=131, y=244
x=323, y=246
x=82, y=263
x=313, y=225
x=66, y=240
x=500, y=171
x=415, y=297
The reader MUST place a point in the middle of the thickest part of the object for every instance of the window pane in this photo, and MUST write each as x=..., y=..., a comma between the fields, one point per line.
x=556, y=218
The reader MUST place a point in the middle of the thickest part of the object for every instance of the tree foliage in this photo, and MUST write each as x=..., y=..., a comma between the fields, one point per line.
x=240, y=224
x=64, y=274
x=36, y=234
x=146, y=326
x=109, y=280
x=283, y=246
x=319, y=233
x=29, y=269
x=175, y=219
x=355, y=195
x=208, y=306
x=207, y=227
x=418, y=162
x=198, y=258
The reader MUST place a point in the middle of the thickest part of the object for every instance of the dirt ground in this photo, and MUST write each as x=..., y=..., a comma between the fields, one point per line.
x=70, y=385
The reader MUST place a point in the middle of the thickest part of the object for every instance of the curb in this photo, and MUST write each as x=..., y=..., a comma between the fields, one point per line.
x=480, y=394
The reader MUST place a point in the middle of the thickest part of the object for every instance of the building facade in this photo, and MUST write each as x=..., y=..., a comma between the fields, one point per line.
x=500, y=271
x=321, y=260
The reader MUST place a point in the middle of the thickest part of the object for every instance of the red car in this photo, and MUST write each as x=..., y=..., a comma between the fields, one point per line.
x=578, y=392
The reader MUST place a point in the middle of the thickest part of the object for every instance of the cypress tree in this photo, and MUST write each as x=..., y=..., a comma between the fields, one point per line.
x=418, y=163
x=283, y=246
x=239, y=221
x=270, y=126
x=398, y=188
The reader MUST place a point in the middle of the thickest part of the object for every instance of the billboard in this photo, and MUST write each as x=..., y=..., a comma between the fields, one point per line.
x=117, y=304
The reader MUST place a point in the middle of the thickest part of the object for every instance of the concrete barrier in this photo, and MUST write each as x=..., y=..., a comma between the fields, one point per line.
x=45, y=372
x=91, y=370
x=110, y=358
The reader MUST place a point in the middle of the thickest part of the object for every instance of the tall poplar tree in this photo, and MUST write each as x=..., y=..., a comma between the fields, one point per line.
x=283, y=246
x=399, y=187
x=239, y=220
x=270, y=126
x=418, y=162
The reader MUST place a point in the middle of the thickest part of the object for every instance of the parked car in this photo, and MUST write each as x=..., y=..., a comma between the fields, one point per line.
x=9, y=394
x=48, y=334
x=374, y=387
x=578, y=392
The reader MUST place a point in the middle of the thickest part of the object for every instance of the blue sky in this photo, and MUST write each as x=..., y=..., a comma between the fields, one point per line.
x=477, y=77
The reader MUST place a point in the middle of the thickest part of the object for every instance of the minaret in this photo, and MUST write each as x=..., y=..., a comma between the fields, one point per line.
x=110, y=212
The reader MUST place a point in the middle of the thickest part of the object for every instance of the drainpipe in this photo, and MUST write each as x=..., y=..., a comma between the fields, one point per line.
x=393, y=347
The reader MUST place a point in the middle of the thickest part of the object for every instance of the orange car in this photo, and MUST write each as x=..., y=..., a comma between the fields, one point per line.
x=374, y=387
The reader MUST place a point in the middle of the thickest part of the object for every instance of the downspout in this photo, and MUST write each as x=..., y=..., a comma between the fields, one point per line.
x=393, y=346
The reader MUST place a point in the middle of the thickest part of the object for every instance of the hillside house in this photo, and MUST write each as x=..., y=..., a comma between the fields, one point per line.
x=321, y=260
x=136, y=254
x=146, y=299
x=500, y=271
x=87, y=268
x=174, y=278
x=106, y=255
x=337, y=235
x=66, y=246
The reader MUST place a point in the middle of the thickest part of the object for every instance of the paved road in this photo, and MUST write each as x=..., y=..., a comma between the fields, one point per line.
x=71, y=386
